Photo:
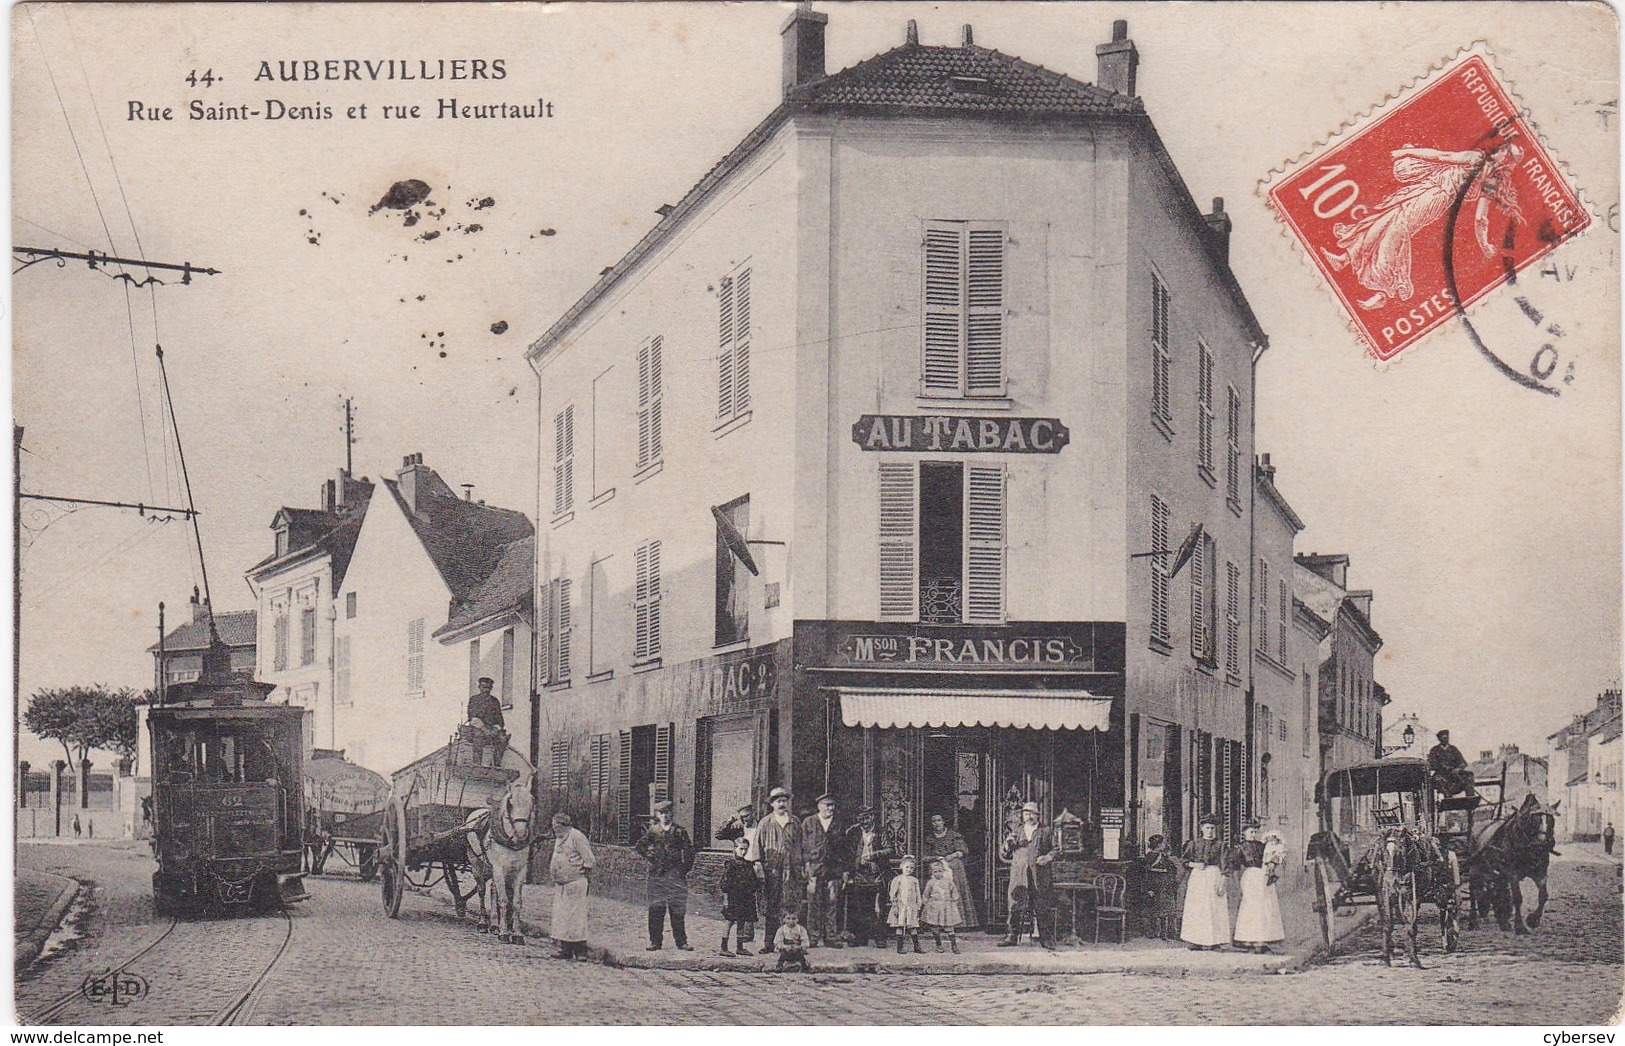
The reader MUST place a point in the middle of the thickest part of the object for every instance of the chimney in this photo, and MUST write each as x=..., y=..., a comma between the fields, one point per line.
x=329, y=497
x=1118, y=61
x=200, y=607
x=1362, y=601
x=1508, y=751
x=803, y=36
x=912, y=35
x=1218, y=224
x=1266, y=468
x=468, y=491
x=1333, y=568
x=1485, y=755
x=967, y=38
x=411, y=477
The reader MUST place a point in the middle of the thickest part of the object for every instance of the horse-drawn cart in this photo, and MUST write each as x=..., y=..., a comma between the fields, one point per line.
x=344, y=806
x=1379, y=844
x=424, y=835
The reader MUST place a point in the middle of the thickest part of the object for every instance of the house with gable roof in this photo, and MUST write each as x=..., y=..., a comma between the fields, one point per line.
x=908, y=456
x=422, y=557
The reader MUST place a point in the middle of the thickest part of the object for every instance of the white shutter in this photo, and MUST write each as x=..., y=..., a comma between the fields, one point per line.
x=984, y=329
x=725, y=354
x=662, y=781
x=562, y=661
x=1286, y=612
x=1161, y=364
x=646, y=602
x=1263, y=606
x=1233, y=470
x=414, y=655
x=645, y=397
x=742, y=341
x=1204, y=401
x=944, y=309
x=1199, y=626
x=564, y=439
x=1159, y=575
x=899, y=541
x=984, y=543
x=1232, y=619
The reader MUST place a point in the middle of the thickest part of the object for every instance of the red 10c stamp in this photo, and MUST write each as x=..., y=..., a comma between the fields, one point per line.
x=1428, y=204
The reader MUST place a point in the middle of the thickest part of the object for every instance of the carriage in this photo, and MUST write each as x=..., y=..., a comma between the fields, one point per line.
x=1380, y=840
x=226, y=797
x=423, y=840
x=344, y=813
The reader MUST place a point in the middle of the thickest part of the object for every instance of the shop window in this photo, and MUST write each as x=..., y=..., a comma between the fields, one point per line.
x=964, y=346
x=724, y=771
x=949, y=567
x=733, y=579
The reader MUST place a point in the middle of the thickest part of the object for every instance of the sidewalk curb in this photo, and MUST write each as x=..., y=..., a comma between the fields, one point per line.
x=1322, y=951
x=30, y=946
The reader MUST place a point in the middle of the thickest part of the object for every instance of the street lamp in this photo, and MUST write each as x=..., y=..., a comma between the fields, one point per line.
x=1409, y=736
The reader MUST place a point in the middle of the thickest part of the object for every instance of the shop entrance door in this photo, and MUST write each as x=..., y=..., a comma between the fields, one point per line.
x=955, y=764
x=1021, y=768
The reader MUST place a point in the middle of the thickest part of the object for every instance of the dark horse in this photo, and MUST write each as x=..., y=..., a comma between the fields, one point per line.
x=1511, y=850
x=1410, y=869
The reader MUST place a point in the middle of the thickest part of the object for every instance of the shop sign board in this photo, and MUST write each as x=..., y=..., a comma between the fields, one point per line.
x=960, y=435
x=1036, y=646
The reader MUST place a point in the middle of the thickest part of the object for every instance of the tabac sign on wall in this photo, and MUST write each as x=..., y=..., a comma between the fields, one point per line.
x=960, y=435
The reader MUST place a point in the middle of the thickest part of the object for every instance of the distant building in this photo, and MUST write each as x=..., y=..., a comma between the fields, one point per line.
x=295, y=586
x=495, y=629
x=421, y=559
x=1584, y=763
x=1525, y=774
x=1407, y=736
x=1350, y=704
x=179, y=658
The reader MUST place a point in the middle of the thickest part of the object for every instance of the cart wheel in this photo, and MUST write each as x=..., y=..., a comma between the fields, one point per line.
x=1324, y=904
x=392, y=858
x=368, y=861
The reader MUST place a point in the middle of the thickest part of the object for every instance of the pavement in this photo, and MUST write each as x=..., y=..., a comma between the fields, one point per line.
x=42, y=900
x=618, y=936
x=346, y=963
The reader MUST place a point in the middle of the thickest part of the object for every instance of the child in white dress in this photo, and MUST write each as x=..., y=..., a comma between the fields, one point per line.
x=905, y=905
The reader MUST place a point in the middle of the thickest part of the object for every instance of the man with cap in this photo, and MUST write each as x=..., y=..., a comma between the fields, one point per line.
x=829, y=865
x=1030, y=849
x=778, y=851
x=485, y=717
x=670, y=853
x=871, y=863
x=1451, y=774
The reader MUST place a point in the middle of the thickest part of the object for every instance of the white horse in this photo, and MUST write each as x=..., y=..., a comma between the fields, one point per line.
x=508, y=840
x=479, y=864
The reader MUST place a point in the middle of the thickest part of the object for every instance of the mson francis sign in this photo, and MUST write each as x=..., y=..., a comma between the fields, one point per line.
x=962, y=435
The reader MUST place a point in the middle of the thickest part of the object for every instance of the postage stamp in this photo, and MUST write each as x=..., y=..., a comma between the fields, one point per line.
x=1428, y=203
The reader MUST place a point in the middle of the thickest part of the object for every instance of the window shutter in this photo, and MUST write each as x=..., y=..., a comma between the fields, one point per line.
x=1263, y=606
x=564, y=438
x=1204, y=402
x=984, y=330
x=280, y=630
x=414, y=655
x=662, y=780
x=899, y=540
x=1232, y=619
x=600, y=766
x=984, y=543
x=563, y=662
x=1159, y=575
x=742, y=341
x=560, y=775
x=1233, y=437
x=1198, y=602
x=341, y=670
x=649, y=378
x=725, y=353
x=623, y=791
x=1286, y=612
x=944, y=309
x=1161, y=405
x=646, y=602
x=1226, y=787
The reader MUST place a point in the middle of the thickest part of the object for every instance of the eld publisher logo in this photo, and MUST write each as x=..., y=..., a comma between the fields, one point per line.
x=117, y=987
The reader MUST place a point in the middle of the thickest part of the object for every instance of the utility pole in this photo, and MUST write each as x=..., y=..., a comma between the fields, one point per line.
x=16, y=593
x=349, y=436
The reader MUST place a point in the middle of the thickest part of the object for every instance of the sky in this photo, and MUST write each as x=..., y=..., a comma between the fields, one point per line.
x=1484, y=517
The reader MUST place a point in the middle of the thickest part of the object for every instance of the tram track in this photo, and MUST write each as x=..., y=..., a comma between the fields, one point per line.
x=55, y=1007
x=239, y=1010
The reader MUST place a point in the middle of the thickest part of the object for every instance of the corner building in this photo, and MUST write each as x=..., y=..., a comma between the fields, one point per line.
x=848, y=459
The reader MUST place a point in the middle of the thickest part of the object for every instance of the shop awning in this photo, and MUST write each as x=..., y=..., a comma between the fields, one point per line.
x=1024, y=709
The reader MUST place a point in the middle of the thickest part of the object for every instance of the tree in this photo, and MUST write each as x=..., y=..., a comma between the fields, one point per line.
x=84, y=717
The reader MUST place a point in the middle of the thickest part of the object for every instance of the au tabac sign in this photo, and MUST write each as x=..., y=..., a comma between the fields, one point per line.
x=960, y=435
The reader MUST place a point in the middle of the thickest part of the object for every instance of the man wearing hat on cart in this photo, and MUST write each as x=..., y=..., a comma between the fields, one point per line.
x=1030, y=849
x=829, y=865
x=778, y=851
x=670, y=853
x=485, y=721
x=1451, y=774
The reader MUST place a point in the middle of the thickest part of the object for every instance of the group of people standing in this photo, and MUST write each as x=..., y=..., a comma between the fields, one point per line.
x=1211, y=866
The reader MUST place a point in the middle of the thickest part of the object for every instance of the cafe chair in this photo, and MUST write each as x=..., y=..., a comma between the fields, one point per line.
x=1110, y=908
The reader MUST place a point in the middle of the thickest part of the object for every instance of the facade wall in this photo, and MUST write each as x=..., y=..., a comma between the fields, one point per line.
x=505, y=653
x=1350, y=725
x=309, y=684
x=385, y=725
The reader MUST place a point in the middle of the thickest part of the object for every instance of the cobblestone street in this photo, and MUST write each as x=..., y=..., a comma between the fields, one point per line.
x=347, y=964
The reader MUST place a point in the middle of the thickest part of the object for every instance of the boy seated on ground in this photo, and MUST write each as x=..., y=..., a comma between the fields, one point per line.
x=791, y=942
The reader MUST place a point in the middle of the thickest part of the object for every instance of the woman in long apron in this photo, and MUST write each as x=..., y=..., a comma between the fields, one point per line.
x=1206, y=922
x=571, y=869
x=1258, y=922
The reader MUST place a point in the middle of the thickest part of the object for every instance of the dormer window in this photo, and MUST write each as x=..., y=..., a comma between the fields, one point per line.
x=979, y=85
x=282, y=540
